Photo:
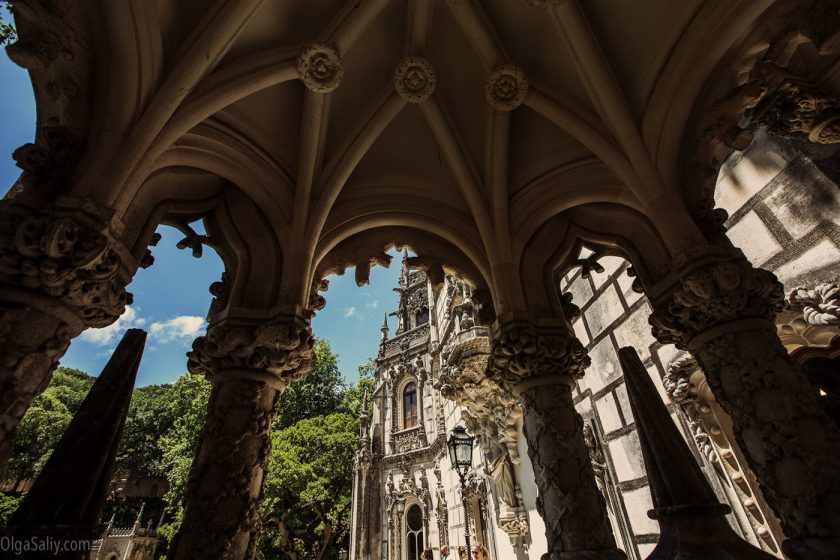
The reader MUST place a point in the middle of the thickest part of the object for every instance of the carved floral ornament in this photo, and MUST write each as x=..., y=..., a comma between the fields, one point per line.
x=281, y=350
x=506, y=88
x=319, y=67
x=64, y=256
x=415, y=79
x=712, y=290
x=799, y=110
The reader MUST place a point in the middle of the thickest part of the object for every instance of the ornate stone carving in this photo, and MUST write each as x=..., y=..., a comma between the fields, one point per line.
x=519, y=353
x=409, y=440
x=796, y=110
x=679, y=387
x=65, y=257
x=407, y=339
x=441, y=509
x=415, y=79
x=319, y=67
x=506, y=88
x=820, y=305
x=51, y=156
x=282, y=349
x=597, y=458
x=712, y=290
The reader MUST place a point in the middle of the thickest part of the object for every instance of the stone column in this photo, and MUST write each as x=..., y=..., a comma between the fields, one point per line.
x=250, y=366
x=58, y=275
x=541, y=367
x=721, y=309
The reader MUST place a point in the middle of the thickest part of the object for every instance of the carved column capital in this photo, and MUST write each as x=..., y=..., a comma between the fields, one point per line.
x=65, y=254
x=710, y=291
x=276, y=352
x=520, y=352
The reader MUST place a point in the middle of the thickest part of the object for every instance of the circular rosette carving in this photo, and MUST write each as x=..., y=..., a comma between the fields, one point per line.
x=319, y=67
x=415, y=79
x=506, y=88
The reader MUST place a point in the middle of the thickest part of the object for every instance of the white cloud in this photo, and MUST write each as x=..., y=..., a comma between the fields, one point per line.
x=372, y=304
x=176, y=329
x=350, y=312
x=106, y=335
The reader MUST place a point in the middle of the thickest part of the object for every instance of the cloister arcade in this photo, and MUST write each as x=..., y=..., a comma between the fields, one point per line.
x=493, y=138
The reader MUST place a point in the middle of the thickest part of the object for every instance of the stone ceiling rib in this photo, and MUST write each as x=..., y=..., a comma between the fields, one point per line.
x=479, y=32
x=462, y=168
x=351, y=22
x=585, y=134
x=419, y=23
x=313, y=125
x=205, y=48
x=604, y=91
x=336, y=172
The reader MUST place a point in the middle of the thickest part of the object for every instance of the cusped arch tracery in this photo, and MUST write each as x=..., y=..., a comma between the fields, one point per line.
x=611, y=228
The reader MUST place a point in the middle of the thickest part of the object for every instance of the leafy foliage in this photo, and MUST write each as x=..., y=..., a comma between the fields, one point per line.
x=44, y=423
x=8, y=505
x=319, y=394
x=8, y=34
x=150, y=416
x=306, y=508
x=187, y=404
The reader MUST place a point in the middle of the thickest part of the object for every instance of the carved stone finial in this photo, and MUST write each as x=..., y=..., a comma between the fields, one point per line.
x=676, y=381
x=415, y=79
x=281, y=349
x=506, y=88
x=712, y=290
x=319, y=67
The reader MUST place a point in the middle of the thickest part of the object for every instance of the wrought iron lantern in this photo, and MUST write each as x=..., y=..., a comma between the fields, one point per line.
x=460, y=450
x=400, y=506
x=460, y=455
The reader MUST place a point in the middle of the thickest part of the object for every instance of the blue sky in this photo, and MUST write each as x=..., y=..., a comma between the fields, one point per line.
x=171, y=297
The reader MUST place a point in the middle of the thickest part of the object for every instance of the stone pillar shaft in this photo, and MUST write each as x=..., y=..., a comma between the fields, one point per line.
x=225, y=483
x=570, y=502
x=250, y=365
x=721, y=309
x=541, y=368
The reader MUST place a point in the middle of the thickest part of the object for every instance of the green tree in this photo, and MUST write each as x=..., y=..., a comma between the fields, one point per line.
x=319, y=394
x=306, y=505
x=8, y=505
x=8, y=34
x=188, y=406
x=44, y=423
x=150, y=416
x=352, y=398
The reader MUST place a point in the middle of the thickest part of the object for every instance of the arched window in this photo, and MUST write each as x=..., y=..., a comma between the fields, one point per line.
x=410, y=406
x=414, y=541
